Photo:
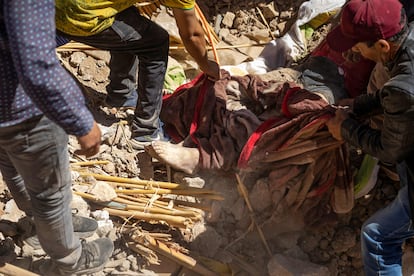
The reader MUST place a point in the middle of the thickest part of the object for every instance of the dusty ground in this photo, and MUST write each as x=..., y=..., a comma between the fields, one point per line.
x=226, y=234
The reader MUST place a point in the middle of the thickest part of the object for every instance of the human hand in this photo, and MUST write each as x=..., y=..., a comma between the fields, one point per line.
x=212, y=70
x=90, y=142
x=334, y=124
x=351, y=56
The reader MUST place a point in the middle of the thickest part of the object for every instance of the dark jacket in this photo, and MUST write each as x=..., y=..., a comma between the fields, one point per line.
x=396, y=100
x=394, y=143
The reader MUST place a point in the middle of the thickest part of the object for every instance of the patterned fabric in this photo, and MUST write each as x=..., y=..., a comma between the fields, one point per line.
x=32, y=80
x=86, y=17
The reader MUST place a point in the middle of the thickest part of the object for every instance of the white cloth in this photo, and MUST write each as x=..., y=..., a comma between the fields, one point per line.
x=280, y=52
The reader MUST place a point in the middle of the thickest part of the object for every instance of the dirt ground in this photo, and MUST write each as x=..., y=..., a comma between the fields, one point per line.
x=229, y=235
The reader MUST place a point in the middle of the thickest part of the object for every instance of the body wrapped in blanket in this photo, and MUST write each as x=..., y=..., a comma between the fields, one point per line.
x=272, y=126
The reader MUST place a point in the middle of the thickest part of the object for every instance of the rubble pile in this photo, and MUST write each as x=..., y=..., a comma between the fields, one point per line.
x=164, y=222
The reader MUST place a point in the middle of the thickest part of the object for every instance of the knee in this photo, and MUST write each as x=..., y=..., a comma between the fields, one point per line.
x=369, y=231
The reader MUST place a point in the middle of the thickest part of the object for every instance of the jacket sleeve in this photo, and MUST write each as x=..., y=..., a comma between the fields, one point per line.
x=396, y=138
x=31, y=31
x=367, y=104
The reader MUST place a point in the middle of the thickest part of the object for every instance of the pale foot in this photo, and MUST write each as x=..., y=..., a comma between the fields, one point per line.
x=179, y=157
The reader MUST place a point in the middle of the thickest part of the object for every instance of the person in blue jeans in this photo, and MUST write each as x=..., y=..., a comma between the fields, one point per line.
x=40, y=104
x=139, y=53
x=378, y=30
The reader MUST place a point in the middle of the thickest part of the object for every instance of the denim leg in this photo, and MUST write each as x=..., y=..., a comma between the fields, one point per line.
x=15, y=183
x=402, y=173
x=134, y=37
x=149, y=104
x=383, y=235
x=123, y=75
x=37, y=150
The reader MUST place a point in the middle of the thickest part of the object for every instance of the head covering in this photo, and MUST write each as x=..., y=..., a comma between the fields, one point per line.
x=366, y=20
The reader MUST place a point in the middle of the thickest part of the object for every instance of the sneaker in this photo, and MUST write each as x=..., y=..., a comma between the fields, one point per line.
x=366, y=177
x=94, y=256
x=82, y=226
x=140, y=142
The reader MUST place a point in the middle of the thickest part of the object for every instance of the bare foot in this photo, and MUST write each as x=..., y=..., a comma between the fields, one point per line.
x=179, y=157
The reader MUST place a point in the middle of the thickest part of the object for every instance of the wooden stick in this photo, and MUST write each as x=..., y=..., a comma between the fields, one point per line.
x=265, y=21
x=176, y=221
x=159, y=210
x=191, y=205
x=165, y=202
x=9, y=269
x=120, y=204
x=143, y=186
x=173, y=254
x=203, y=194
x=90, y=163
x=150, y=183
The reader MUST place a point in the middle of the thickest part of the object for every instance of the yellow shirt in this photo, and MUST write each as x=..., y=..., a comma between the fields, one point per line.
x=89, y=17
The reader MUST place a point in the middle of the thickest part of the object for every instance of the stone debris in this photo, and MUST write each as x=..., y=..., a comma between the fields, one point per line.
x=221, y=230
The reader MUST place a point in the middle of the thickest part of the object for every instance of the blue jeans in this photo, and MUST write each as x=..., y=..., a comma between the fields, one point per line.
x=140, y=47
x=34, y=163
x=383, y=235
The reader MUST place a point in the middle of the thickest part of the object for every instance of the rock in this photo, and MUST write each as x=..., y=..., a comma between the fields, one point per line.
x=309, y=242
x=241, y=20
x=269, y=11
x=208, y=242
x=297, y=253
x=228, y=57
x=80, y=205
x=228, y=19
x=183, y=179
x=12, y=212
x=102, y=191
x=230, y=38
x=251, y=51
x=260, y=196
x=280, y=265
x=259, y=35
x=239, y=209
x=125, y=265
x=407, y=260
x=105, y=224
x=217, y=23
x=76, y=59
x=166, y=20
x=223, y=33
x=287, y=240
x=344, y=239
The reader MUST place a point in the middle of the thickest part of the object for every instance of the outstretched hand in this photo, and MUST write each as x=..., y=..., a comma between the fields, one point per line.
x=90, y=142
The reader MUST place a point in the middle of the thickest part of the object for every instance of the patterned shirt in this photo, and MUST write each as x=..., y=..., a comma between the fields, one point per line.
x=32, y=81
x=89, y=17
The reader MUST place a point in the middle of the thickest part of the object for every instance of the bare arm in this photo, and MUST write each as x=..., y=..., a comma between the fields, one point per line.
x=192, y=35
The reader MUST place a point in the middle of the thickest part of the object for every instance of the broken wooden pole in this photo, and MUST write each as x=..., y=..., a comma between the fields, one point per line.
x=9, y=269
